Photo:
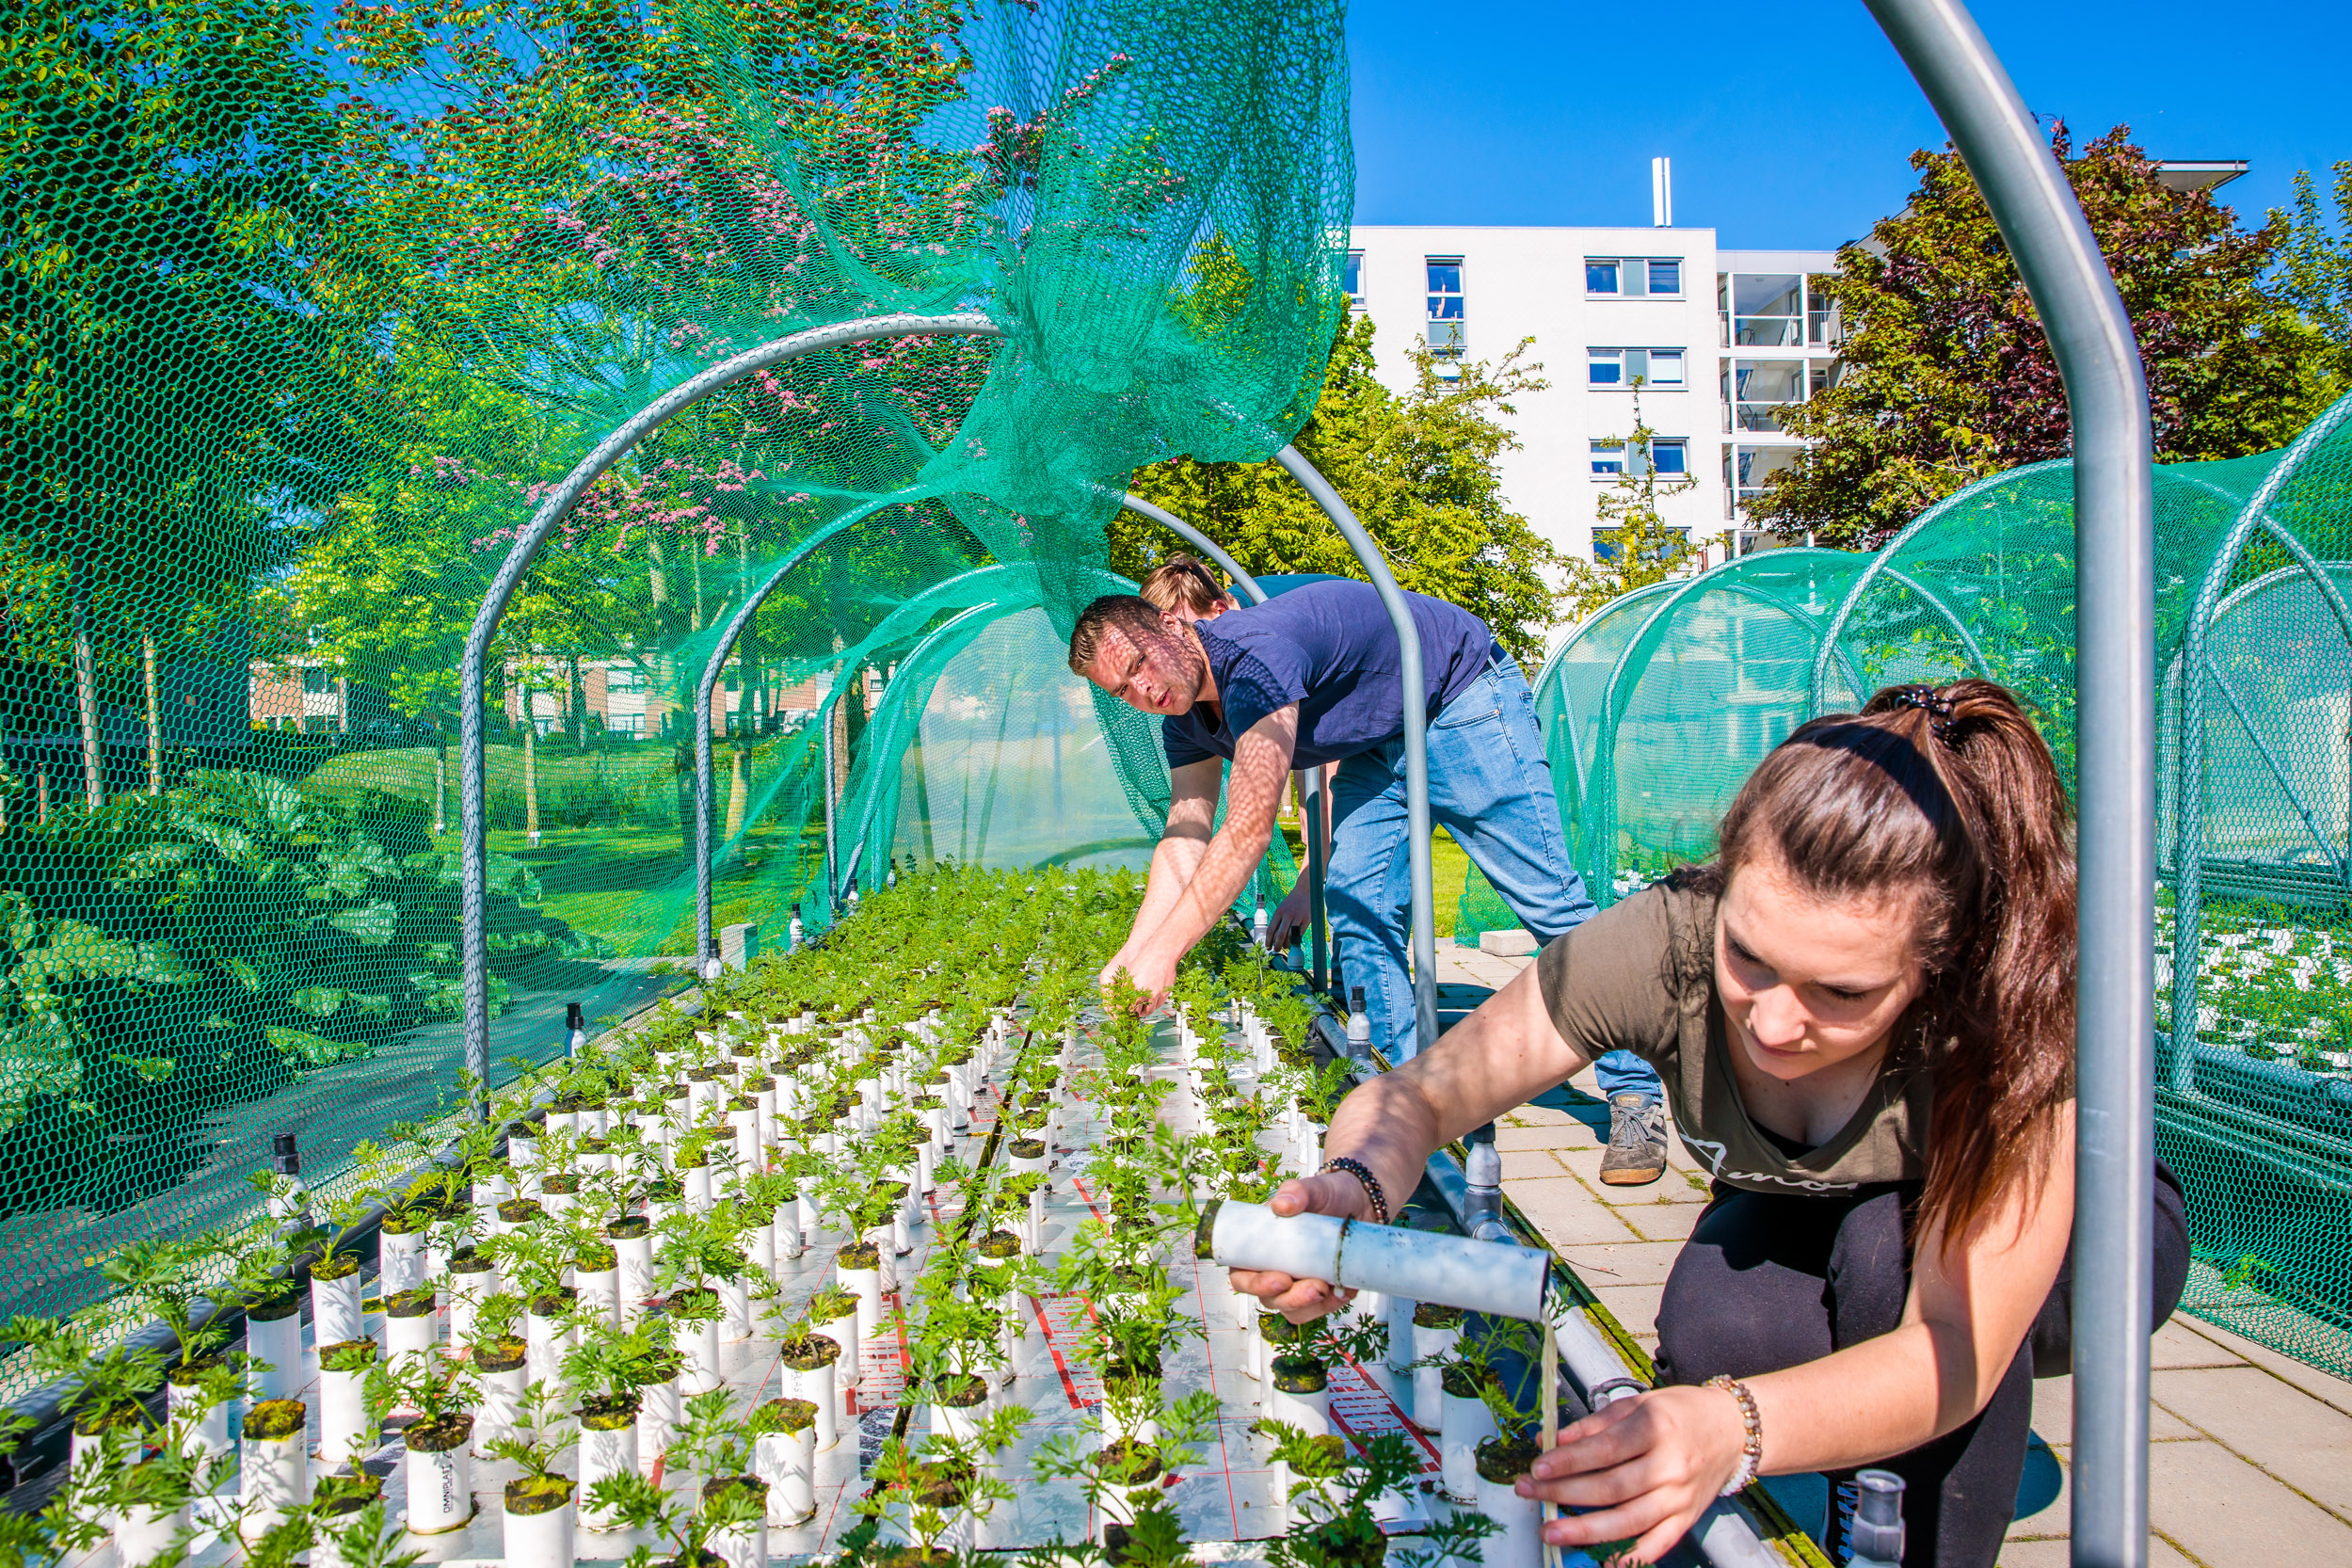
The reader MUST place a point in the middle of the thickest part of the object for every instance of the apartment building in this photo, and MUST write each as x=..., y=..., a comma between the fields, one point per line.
x=1716, y=343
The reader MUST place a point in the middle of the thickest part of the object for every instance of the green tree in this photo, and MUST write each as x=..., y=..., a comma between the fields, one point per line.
x=1948, y=376
x=1633, y=547
x=1419, y=469
x=2315, y=263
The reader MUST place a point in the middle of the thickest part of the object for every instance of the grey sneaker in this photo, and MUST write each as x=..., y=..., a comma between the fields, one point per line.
x=1636, y=1141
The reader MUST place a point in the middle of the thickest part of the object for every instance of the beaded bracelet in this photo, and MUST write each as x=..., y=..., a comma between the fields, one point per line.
x=1751, y=1446
x=1371, y=1183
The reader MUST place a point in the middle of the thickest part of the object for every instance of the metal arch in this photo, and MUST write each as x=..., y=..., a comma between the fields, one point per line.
x=706, y=948
x=1728, y=577
x=993, y=609
x=1415, y=704
x=1884, y=561
x=1198, y=540
x=474, y=823
x=2091, y=337
x=2188, y=792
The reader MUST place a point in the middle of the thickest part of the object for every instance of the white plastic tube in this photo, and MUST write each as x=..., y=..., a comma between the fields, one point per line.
x=539, y=1539
x=734, y=1311
x=698, y=1342
x=1429, y=1394
x=635, y=1283
x=599, y=1294
x=343, y=1437
x=468, y=1290
x=400, y=1262
x=1468, y=1423
x=1477, y=1276
x=500, y=1413
x=275, y=1478
x=440, y=1489
x=276, y=1342
x=818, y=1386
x=1519, y=1541
x=744, y=1546
x=659, y=1412
x=335, y=1315
x=418, y=1333
x=605, y=1451
x=787, y=1461
x=144, y=1535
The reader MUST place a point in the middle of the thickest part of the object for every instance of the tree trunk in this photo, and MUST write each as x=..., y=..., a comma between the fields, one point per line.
x=530, y=768
x=579, y=706
x=737, y=797
x=41, y=775
x=154, y=720
x=441, y=783
x=86, y=696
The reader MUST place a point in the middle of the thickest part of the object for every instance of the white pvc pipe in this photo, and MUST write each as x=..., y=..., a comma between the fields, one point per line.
x=335, y=1315
x=787, y=1461
x=660, y=1410
x=539, y=1539
x=275, y=1346
x=275, y=1476
x=343, y=1437
x=605, y=1451
x=1495, y=1278
x=440, y=1489
x=1519, y=1542
x=1466, y=1424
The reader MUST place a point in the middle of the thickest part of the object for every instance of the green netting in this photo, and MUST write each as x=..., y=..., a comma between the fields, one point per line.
x=1656, y=709
x=308, y=311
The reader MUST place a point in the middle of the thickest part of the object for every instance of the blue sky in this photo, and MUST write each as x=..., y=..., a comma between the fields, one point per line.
x=1790, y=126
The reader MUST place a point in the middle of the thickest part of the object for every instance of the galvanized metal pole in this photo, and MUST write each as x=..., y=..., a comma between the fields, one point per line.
x=832, y=882
x=1415, y=737
x=473, y=851
x=2115, y=683
x=1198, y=540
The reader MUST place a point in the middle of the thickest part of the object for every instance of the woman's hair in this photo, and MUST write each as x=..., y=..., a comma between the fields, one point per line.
x=1947, y=796
x=1183, y=584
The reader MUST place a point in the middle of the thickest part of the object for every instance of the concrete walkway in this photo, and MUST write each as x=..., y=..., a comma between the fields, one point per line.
x=2251, y=1463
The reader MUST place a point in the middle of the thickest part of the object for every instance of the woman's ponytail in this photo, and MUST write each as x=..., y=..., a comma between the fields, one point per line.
x=1947, y=796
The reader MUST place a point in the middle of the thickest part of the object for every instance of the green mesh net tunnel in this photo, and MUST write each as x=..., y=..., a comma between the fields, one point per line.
x=363, y=294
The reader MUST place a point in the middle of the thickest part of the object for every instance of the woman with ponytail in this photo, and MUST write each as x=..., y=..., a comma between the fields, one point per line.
x=1864, y=1011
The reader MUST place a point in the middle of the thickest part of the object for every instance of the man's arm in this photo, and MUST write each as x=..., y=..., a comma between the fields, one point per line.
x=1191, y=812
x=1261, y=765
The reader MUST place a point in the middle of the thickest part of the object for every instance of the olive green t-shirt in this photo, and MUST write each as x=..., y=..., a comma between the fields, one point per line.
x=1641, y=977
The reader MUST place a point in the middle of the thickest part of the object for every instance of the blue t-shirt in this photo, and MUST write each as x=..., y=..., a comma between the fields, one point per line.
x=1327, y=647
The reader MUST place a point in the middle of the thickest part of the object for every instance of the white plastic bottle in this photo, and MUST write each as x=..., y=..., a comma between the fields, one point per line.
x=1257, y=923
x=1359, y=1026
x=795, y=932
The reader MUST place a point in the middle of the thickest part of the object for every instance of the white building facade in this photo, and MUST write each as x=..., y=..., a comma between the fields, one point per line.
x=1720, y=343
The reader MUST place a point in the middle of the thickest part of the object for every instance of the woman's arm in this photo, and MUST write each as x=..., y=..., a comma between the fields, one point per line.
x=1503, y=1055
x=1648, y=1467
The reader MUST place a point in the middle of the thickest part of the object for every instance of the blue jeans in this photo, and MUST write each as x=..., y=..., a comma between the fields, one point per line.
x=1491, y=788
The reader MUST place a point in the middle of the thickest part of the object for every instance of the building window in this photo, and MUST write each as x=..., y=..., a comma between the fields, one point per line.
x=1670, y=539
x=314, y=681
x=1622, y=367
x=1633, y=277
x=1351, y=278
x=1446, y=326
x=1668, y=458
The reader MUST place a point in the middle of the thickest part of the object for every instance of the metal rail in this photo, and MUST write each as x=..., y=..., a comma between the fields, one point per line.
x=1415, y=707
x=474, y=826
x=2115, y=673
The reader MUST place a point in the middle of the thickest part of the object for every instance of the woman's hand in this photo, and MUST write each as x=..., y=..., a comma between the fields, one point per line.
x=1647, y=1466
x=1303, y=1300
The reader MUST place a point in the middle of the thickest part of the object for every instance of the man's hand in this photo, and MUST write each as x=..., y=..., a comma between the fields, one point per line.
x=1147, y=972
x=1111, y=970
x=1289, y=917
x=1304, y=1300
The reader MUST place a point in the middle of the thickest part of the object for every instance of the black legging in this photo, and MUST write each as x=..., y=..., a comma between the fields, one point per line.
x=1774, y=1280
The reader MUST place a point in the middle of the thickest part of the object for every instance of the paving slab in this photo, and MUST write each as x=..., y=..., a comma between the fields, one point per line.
x=2224, y=1511
x=2304, y=1442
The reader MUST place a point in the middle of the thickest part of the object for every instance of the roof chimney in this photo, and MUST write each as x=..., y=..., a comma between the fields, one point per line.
x=1662, y=192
